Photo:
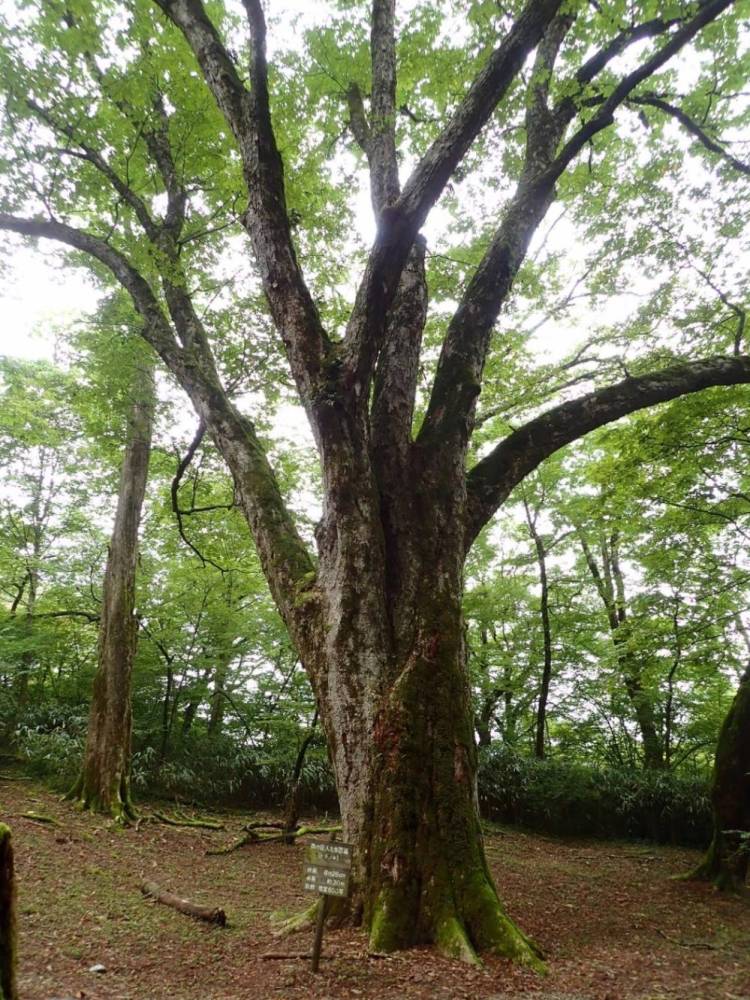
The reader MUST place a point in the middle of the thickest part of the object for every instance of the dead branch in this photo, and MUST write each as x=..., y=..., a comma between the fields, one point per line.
x=284, y=836
x=205, y=824
x=212, y=915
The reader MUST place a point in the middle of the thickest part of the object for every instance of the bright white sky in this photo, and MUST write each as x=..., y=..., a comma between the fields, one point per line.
x=37, y=297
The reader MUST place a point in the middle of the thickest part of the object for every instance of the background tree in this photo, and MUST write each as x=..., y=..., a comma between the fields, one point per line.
x=104, y=782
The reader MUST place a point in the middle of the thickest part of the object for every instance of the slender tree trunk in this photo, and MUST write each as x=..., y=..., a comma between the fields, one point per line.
x=104, y=782
x=728, y=856
x=216, y=716
x=191, y=709
x=610, y=585
x=8, y=989
x=541, y=559
x=294, y=793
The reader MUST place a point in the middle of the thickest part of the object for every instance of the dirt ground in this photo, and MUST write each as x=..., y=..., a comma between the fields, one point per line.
x=612, y=924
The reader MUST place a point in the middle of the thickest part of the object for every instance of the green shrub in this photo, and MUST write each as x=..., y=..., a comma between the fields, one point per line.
x=574, y=799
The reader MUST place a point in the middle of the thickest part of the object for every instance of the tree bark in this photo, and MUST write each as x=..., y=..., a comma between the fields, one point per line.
x=104, y=782
x=8, y=990
x=728, y=856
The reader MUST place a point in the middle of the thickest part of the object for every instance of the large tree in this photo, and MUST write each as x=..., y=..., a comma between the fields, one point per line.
x=123, y=158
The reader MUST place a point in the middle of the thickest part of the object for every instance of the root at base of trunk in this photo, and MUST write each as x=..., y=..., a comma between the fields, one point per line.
x=728, y=873
x=119, y=806
x=478, y=925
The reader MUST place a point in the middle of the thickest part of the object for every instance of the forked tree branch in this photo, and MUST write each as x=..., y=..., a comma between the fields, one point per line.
x=284, y=556
x=266, y=220
x=492, y=479
x=400, y=223
x=458, y=378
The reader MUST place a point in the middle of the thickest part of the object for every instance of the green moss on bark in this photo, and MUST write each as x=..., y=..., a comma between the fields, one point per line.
x=8, y=956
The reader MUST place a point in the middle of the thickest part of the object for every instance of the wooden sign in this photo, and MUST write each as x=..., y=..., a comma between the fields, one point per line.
x=326, y=881
x=326, y=872
x=327, y=869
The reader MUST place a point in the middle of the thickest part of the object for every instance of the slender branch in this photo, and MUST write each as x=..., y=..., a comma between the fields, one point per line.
x=182, y=467
x=604, y=117
x=493, y=478
x=92, y=156
x=693, y=128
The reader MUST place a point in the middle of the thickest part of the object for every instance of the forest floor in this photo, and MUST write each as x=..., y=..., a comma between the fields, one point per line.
x=612, y=923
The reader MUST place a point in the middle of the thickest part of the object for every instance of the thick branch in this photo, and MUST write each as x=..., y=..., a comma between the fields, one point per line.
x=493, y=478
x=381, y=147
x=400, y=223
x=156, y=326
x=266, y=220
x=284, y=556
x=458, y=378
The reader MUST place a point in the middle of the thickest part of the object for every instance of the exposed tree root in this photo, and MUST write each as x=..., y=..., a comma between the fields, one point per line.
x=40, y=818
x=460, y=931
x=252, y=836
x=722, y=867
x=182, y=820
x=118, y=805
x=212, y=915
x=284, y=925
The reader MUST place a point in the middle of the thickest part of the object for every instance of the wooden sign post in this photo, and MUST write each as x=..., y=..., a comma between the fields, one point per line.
x=327, y=871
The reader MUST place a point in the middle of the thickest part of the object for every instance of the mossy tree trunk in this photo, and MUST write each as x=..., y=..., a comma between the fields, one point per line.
x=8, y=956
x=728, y=856
x=104, y=782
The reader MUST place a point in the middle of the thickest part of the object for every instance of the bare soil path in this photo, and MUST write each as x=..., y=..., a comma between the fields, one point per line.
x=613, y=925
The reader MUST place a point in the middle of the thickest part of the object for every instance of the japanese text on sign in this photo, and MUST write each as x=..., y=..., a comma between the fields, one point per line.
x=327, y=869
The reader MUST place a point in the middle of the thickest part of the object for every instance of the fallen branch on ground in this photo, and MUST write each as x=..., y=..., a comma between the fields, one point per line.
x=690, y=944
x=212, y=915
x=287, y=954
x=286, y=836
x=39, y=818
x=205, y=824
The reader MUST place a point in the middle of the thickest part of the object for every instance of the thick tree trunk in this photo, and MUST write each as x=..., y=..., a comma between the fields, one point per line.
x=104, y=782
x=402, y=743
x=8, y=989
x=728, y=857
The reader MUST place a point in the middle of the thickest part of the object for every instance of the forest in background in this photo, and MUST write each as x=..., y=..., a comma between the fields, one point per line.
x=588, y=722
